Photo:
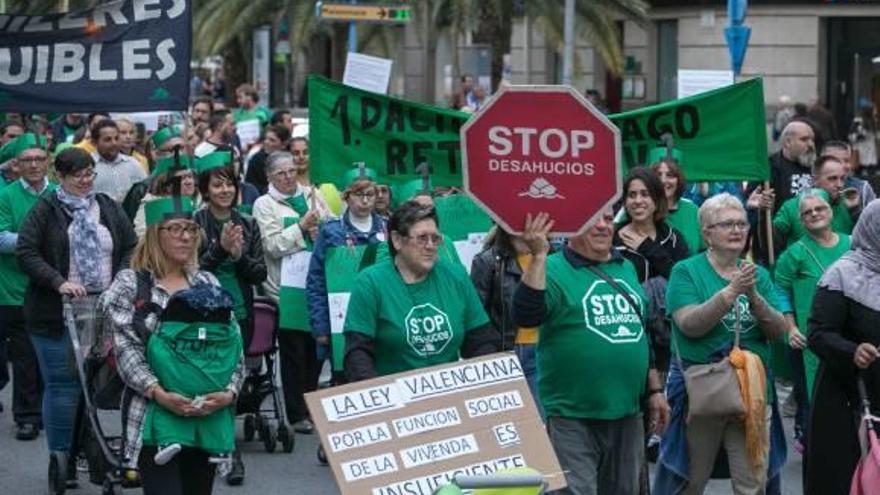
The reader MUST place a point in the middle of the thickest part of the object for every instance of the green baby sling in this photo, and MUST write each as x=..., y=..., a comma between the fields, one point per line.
x=193, y=359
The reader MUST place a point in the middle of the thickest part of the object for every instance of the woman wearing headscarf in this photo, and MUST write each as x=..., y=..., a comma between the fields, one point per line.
x=72, y=243
x=844, y=332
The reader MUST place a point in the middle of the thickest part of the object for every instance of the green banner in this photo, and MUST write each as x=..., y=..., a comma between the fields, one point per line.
x=721, y=133
x=392, y=136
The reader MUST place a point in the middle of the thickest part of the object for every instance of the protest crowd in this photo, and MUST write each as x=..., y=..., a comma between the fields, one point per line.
x=214, y=229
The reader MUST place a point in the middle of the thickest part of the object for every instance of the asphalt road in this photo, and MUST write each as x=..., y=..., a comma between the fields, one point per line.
x=23, y=467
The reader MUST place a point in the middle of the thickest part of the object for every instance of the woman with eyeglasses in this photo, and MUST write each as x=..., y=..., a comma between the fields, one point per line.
x=413, y=311
x=289, y=216
x=798, y=271
x=72, y=243
x=709, y=296
x=341, y=249
x=165, y=290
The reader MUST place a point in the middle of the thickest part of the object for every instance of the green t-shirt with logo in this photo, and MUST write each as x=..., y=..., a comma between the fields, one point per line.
x=592, y=351
x=414, y=325
x=787, y=220
x=695, y=281
x=797, y=272
x=15, y=203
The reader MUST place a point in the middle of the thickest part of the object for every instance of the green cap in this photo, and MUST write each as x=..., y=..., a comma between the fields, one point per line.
x=6, y=153
x=162, y=136
x=172, y=163
x=217, y=159
x=660, y=154
x=359, y=173
x=167, y=208
x=23, y=143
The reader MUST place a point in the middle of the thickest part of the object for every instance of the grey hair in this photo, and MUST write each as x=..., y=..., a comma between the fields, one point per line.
x=276, y=159
x=713, y=206
x=809, y=194
x=789, y=128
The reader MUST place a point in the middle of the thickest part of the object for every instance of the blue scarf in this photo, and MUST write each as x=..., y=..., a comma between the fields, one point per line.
x=84, y=241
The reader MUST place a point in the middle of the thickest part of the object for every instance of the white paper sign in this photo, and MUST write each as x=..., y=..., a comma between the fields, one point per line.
x=691, y=82
x=248, y=131
x=367, y=72
x=295, y=269
x=469, y=248
x=338, y=304
x=359, y=469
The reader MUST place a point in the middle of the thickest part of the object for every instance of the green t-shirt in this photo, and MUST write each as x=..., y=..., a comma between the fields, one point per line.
x=414, y=325
x=797, y=272
x=257, y=113
x=686, y=220
x=787, y=221
x=592, y=351
x=15, y=203
x=695, y=281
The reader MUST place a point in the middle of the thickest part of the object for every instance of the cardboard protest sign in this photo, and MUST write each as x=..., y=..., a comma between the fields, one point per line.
x=412, y=432
x=721, y=133
x=120, y=56
x=390, y=135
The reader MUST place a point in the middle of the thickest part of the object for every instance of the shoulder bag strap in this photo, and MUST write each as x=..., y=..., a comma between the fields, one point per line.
x=813, y=256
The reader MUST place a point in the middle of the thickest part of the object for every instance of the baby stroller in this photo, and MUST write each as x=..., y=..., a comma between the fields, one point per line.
x=101, y=389
x=261, y=382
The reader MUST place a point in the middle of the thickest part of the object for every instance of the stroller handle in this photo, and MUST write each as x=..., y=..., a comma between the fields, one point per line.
x=863, y=391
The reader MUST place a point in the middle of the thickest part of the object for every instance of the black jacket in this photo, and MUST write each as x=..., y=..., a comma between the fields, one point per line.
x=654, y=258
x=43, y=252
x=496, y=274
x=256, y=172
x=250, y=269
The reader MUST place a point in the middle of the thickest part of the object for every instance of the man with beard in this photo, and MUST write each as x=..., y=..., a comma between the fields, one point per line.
x=843, y=152
x=116, y=171
x=789, y=175
x=222, y=134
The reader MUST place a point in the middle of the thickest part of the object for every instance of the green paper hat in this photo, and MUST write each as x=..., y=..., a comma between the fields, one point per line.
x=661, y=153
x=167, y=208
x=217, y=159
x=23, y=143
x=171, y=163
x=355, y=174
x=163, y=135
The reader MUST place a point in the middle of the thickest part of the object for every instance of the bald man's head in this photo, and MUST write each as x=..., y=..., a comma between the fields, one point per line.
x=797, y=143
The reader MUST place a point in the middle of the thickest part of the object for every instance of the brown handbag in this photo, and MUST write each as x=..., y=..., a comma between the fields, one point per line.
x=713, y=389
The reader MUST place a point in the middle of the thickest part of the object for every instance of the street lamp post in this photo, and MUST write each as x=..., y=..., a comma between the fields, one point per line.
x=568, y=50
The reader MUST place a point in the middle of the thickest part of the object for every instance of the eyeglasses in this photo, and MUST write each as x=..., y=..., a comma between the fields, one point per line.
x=816, y=210
x=731, y=225
x=423, y=239
x=284, y=174
x=177, y=230
x=34, y=160
x=84, y=176
x=364, y=195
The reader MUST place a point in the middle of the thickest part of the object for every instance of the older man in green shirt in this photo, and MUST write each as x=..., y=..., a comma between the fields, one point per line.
x=30, y=162
x=594, y=356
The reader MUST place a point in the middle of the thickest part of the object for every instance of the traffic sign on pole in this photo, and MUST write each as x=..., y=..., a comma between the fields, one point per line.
x=347, y=12
x=535, y=149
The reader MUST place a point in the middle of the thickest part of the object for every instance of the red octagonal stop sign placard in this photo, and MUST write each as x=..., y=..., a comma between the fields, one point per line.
x=541, y=149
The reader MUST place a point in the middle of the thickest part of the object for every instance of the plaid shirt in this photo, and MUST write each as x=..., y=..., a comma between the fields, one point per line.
x=131, y=361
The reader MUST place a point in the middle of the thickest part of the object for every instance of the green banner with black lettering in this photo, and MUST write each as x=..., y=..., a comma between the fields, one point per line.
x=392, y=136
x=721, y=134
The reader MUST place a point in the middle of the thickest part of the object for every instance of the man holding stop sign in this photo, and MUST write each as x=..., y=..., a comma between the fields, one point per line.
x=552, y=152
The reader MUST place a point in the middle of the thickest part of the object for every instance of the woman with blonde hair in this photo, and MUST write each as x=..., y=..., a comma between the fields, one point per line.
x=146, y=305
